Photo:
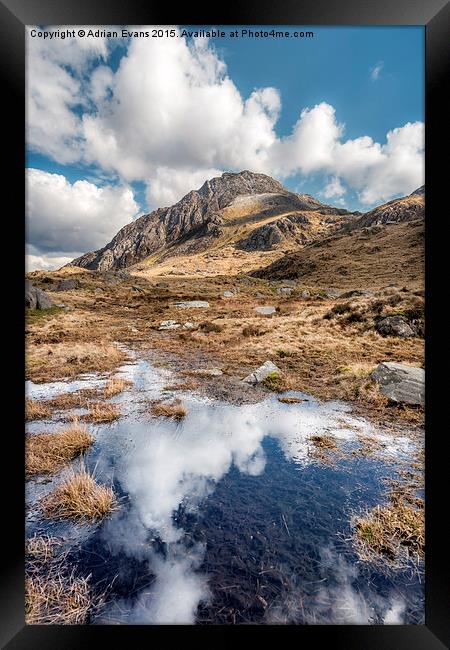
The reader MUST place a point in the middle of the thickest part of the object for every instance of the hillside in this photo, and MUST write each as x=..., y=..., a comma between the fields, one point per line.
x=247, y=210
x=381, y=247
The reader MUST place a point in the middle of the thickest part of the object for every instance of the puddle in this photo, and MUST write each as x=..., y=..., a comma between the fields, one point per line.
x=227, y=517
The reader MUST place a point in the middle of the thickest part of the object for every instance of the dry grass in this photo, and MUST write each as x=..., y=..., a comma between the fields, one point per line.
x=47, y=452
x=290, y=400
x=36, y=410
x=79, y=496
x=62, y=360
x=54, y=593
x=100, y=412
x=188, y=384
x=391, y=529
x=324, y=442
x=57, y=598
x=115, y=386
x=174, y=410
x=42, y=548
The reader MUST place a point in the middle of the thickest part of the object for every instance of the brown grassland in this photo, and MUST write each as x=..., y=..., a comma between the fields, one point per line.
x=54, y=593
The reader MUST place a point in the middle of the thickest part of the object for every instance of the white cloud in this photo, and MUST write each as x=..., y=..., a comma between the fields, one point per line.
x=170, y=115
x=376, y=70
x=169, y=185
x=46, y=262
x=64, y=217
x=334, y=188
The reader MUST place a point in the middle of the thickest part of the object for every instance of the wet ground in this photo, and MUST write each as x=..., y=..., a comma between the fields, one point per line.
x=230, y=516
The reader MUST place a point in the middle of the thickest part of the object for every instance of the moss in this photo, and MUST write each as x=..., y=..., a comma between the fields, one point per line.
x=37, y=315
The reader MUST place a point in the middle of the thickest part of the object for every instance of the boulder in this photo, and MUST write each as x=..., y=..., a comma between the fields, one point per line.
x=169, y=325
x=228, y=294
x=401, y=383
x=394, y=326
x=266, y=310
x=36, y=298
x=305, y=294
x=188, y=326
x=67, y=284
x=258, y=375
x=192, y=304
x=285, y=291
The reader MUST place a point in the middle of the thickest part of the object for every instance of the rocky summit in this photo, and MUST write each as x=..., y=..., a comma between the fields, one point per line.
x=202, y=216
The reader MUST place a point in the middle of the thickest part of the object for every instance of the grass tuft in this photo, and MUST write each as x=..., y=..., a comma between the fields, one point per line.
x=115, y=386
x=47, y=452
x=174, y=410
x=389, y=530
x=79, y=496
x=36, y=410
x=101, y=412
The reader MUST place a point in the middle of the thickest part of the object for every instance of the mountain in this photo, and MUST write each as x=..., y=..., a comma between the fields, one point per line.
x=248, y=210
x=385, y=245
x=406, y=208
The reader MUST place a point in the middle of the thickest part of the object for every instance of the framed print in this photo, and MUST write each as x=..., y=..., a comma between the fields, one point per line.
x=229, y=219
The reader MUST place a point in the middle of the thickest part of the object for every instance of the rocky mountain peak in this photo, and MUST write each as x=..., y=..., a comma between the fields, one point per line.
x=194, y=219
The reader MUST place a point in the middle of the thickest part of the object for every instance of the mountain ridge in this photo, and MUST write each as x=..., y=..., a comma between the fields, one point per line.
x=199, y=217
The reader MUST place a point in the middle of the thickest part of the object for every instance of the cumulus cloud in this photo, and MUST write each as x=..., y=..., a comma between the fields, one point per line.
x=169, y=185
x=171, y=116
x=67, y=218
x=334, y=188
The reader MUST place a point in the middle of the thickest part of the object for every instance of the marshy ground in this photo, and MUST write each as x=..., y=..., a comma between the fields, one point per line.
x=139, y=427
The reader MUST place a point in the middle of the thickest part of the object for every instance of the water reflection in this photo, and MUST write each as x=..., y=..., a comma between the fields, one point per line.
x=187, y=485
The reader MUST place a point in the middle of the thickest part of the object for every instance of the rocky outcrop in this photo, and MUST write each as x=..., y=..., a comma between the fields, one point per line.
x=261, y=373
x=195, y=214
x=401, y=383
x=287, y=229
x=36, y=298
x=394, y=326
x=408, y=208
x=197, y=218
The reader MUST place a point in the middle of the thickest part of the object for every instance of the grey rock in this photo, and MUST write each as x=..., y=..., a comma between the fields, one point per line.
x=401, y=383
x=228, y=294
x=196, y=215
x=188, y=326
x=305, y=294
x=36, y=298
x=290, y=228
x=192, y=304
x=67, y=284
x=169, y=325
x=266, y=310
x=394, y=326
x=258, y=375
x=285, y=291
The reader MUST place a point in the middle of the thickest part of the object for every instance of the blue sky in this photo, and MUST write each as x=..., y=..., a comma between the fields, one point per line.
x=137, y=123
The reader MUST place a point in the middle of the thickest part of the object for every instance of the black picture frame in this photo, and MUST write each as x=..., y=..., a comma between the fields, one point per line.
x=435, y=16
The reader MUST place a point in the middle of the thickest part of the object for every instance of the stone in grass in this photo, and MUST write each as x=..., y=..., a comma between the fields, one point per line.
x=401, y=383
x=192, y=304
x=36, y=298
x=285, y=291
x=228, y=294
x=169, y=325
x=394, y=326
x=266, y=310
x=261, y=373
